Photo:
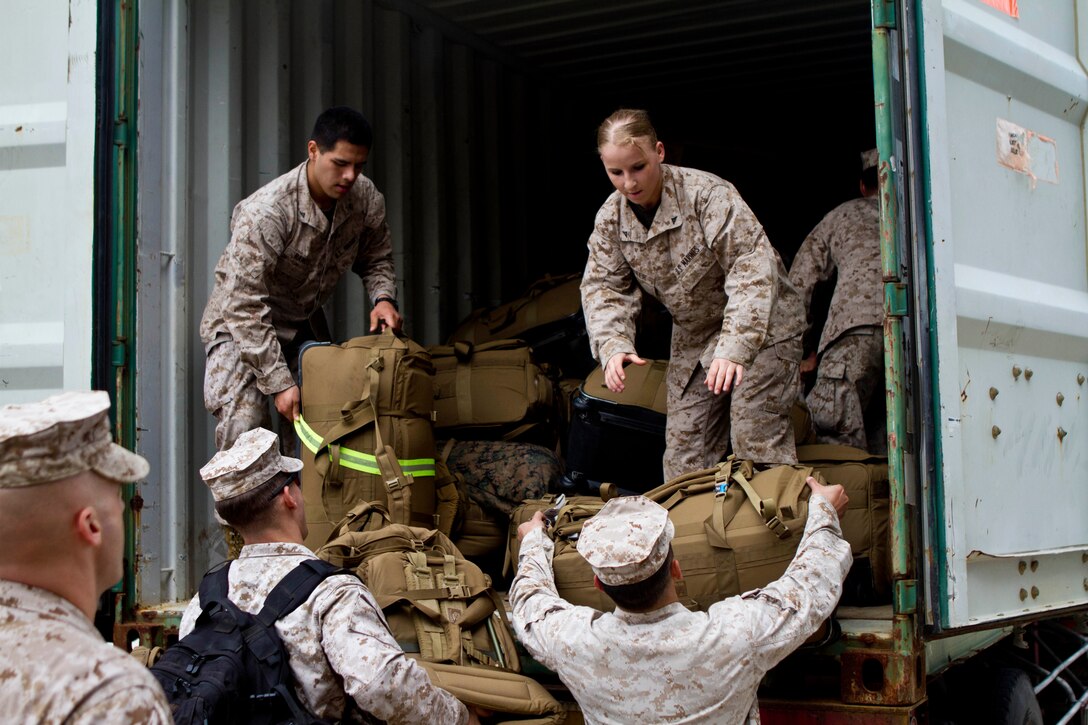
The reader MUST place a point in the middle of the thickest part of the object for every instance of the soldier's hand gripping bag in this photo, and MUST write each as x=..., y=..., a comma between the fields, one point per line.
x=366, y=430
x=440, y=607
x=573, y=576
x=493, y=391
x=619, y=437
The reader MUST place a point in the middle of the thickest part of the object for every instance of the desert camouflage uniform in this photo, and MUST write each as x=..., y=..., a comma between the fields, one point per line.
x=338, y=643
x=500, y=475
x=851, y=346
x=57, y=669
x=282, y=263
x=673, y=665
x=708, y=260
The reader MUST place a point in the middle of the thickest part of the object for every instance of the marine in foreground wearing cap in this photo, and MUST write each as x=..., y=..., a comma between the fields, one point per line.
x=338, y=642
x=846, y=243
x=652, y=660
x=61, y=543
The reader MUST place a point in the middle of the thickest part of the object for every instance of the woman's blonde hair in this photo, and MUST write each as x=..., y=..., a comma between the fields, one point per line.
x=626, y=127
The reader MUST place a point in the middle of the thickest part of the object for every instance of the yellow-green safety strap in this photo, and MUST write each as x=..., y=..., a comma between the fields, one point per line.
x=357, y=461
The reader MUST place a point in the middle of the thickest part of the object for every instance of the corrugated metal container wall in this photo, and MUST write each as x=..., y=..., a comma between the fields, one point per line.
x=228, y=92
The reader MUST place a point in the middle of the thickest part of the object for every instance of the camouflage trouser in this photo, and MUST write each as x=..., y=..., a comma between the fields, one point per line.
x=500, y=474
x=756, y=416
x=850, y=369
x=232, y=396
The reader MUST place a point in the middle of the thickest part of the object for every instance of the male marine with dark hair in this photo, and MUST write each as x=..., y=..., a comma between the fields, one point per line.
x=291, y=241
x=652, y=660
x=344, y=658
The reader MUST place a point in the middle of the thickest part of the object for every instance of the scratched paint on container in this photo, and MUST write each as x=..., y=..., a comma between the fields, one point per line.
x=1027, y=152
x=1009, y=7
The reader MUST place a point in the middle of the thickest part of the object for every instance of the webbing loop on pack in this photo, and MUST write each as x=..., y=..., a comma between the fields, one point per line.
x=359, y=461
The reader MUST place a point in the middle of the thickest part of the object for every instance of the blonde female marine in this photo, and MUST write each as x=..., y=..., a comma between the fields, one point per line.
x=687, y=238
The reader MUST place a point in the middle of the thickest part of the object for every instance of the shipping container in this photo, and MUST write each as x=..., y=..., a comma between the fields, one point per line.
x=128, y=132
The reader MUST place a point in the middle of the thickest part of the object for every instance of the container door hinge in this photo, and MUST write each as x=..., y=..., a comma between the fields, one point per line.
x=883, y=13
x=895, y=299
x=906, y=596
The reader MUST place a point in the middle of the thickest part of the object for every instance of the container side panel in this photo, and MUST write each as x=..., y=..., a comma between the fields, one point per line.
x=47, y=133
x=1006, y=102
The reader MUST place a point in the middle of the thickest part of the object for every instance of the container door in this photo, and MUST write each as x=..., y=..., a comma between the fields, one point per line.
x=1004, y=95
x=47, y=134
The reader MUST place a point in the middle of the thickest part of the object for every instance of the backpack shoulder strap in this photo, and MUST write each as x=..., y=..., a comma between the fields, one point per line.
x=215, y=586
x=295, y=588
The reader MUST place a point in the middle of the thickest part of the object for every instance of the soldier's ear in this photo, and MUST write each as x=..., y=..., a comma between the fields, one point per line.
x=597, y=584
x=675, y=571
x=88, y=527
x=312, y=150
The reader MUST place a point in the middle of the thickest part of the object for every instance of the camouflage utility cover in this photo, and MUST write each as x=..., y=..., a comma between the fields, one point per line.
x=282, y=263
x=846, y=240
x=61, y=436
x=57, y=669
x=338, y=643
x=672, y=665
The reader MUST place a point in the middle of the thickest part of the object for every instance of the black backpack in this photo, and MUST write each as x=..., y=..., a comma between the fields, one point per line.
x=232, y=667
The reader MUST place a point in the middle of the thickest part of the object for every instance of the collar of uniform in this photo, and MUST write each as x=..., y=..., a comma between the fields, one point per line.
x=278, y=548
x=45, y=604
x=667, y=216
x=657, y=615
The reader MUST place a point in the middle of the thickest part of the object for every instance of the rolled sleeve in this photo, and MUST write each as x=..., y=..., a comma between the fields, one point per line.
x=787, y=611
x=611, y=298
x=250, y=259
x=751, y=274
x=534, y=599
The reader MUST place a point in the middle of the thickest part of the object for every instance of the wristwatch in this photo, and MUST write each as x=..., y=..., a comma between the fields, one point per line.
x=390, y=300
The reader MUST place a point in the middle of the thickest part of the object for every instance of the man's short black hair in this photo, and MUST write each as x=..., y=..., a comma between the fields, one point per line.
x=640, y=596
x=341, y=123
x=254, y=507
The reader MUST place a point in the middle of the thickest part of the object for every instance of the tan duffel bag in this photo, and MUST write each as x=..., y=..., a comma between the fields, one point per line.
x=366, y=432
x=493, y=390
x=726, y=542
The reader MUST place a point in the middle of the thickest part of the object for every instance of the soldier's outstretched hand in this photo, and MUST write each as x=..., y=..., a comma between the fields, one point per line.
x=724, y=375
x=613, y=370
x=835, y=495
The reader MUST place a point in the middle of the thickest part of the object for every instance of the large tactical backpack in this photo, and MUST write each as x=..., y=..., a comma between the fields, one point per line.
x=233, y=667
x=440, y=606
x=367, y=435
x=442, y=611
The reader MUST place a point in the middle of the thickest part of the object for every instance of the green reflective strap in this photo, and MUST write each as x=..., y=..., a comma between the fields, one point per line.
x=357, y=461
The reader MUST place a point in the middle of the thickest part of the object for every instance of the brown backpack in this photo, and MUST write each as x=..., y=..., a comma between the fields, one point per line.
x=365, y=426
x=440, y=606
